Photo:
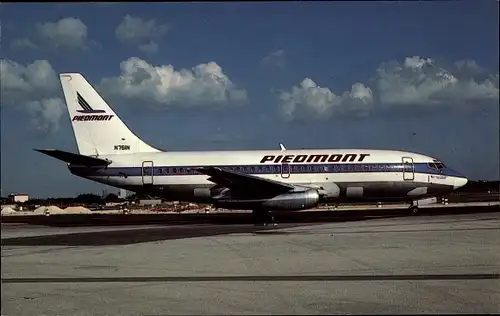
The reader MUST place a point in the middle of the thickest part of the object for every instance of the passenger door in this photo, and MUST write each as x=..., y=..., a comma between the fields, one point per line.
x=147, y=173
x=408, y=169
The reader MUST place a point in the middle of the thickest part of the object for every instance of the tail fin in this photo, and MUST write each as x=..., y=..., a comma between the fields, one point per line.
x=98, y=130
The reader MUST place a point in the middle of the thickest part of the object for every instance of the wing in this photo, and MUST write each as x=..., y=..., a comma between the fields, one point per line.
x=242, y=182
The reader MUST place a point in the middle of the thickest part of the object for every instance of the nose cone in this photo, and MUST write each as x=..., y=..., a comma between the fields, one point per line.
x=459, y=182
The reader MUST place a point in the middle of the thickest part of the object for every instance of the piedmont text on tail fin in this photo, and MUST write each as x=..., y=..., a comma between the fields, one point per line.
x=98, y=130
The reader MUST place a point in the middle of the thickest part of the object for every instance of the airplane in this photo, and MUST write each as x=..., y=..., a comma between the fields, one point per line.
x=262, y=181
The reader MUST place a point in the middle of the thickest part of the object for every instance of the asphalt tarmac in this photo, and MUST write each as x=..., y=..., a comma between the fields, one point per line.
x=231, y=218
x=373, y=265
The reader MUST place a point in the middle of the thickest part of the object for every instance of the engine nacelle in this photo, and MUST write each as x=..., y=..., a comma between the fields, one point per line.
x=292, y=201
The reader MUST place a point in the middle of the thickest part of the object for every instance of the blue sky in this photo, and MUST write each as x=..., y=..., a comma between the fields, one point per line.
x=420, y=76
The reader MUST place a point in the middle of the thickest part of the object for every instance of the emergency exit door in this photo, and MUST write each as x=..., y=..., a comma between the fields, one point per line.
x=285, y=170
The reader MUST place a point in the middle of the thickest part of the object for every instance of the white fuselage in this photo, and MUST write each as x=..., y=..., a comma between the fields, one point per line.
x=363, y=175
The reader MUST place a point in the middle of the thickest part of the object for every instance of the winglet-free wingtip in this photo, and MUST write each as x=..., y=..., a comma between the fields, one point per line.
x=44, y=151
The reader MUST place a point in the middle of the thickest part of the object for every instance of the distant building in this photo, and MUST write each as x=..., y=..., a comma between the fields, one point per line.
x=149, y=202
x=18, y=197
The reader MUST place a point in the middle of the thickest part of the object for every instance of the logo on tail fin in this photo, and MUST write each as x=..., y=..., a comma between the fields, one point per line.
x=87, y=109
x=85, y=106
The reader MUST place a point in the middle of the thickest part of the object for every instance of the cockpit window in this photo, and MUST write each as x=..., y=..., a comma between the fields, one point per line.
x=437, y=165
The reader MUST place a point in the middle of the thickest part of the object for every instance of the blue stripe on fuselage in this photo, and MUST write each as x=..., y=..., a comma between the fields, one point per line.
x=266, y=169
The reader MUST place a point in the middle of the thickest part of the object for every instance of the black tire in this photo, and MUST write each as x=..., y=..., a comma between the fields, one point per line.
x=261, y=217
x=414, y=210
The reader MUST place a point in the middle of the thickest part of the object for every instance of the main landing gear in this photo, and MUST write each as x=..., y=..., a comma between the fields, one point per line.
x=262, y=217
x=413, y=208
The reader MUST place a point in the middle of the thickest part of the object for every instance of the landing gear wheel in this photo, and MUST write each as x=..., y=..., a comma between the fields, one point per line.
x=275, y=224
x=414, y=210
x=260, y=217
x=263, y=218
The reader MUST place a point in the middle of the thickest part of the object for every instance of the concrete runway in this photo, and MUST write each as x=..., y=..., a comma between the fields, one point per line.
x=425, y=264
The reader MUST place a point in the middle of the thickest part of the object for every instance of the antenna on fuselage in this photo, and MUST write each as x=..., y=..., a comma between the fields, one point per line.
x=283, y=148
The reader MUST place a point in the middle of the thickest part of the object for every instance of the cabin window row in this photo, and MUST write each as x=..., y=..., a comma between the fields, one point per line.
x=277, y=169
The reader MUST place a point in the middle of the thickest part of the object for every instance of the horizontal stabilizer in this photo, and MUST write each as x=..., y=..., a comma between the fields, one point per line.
x=75, y=159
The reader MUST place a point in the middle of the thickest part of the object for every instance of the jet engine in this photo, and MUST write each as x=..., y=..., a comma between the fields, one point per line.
x=292, y=201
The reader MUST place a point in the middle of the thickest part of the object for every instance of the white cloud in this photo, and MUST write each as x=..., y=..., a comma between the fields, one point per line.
x=65, y=33
x=312, y=101
x=420, y=82
x=203, y=85
x=20, y=82
x=46, y=113
x=150, y=47
x=416, y=82
x=22, y=43
x=145, y=34
x=276, y=58
x=32, y=88
x=470, y=66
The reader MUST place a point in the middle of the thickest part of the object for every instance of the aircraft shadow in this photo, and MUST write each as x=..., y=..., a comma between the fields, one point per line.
x=133, y=236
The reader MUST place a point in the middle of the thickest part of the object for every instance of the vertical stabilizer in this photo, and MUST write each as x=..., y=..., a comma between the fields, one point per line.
x=98, y=130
